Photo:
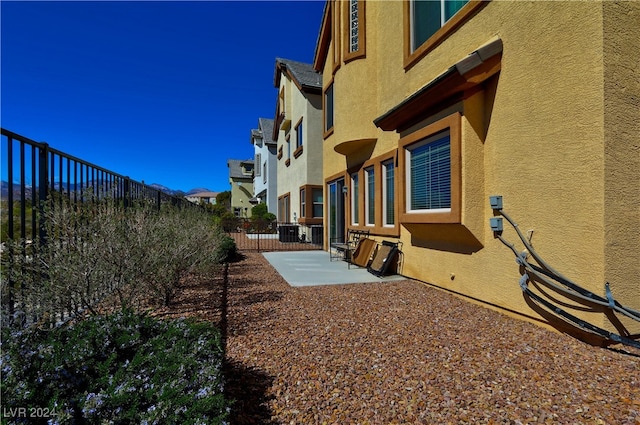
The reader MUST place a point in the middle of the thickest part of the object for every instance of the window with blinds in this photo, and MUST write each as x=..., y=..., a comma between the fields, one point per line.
x=429, y=174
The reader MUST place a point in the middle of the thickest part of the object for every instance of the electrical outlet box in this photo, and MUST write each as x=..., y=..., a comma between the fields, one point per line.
x=495, y=202
x=496, y=224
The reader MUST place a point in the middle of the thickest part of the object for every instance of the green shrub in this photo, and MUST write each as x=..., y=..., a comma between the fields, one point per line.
x=97, y=250
x=227, y=249
x=121, y=368
x=229, y=222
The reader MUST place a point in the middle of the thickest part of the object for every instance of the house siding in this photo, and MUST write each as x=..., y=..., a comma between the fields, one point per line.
x=554, y=133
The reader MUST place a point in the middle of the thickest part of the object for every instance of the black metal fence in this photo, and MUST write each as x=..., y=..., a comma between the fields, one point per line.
x=35, y=176
x=263, y=235
x=32, y=171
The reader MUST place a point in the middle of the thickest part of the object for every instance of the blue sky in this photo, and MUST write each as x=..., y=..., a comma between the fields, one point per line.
x=163, y=92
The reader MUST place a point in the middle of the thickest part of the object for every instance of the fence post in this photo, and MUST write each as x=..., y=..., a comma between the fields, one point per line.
x=127, y=192
x=43, y=188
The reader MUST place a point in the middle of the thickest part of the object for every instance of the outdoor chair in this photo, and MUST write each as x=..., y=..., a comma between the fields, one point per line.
x=361, y=255
x=342, y=250
x=383, y=258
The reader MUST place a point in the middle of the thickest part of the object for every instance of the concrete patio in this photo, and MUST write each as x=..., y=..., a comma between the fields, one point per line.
x=313, y=268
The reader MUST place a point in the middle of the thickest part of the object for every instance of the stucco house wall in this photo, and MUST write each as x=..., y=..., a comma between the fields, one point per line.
x=241, y=186
x=265, y=187
x=552, y=127
x=299, y=103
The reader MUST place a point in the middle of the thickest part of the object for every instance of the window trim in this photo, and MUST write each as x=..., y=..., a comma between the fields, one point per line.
x=385, y=190
x=361, y=52
x=307, y=216
x=370, y=197
x=326, y=132
x=354, y=198
x=258, y=160
x=284, y=201
x=299, y=135
x=378, y=228
x=411, y=57
x=452, y=215
x=299, y=128
x=335, y=12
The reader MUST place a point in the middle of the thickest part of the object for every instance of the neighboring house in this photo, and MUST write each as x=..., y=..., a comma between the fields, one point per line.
x=265, y=175
x=430, y=108
x=298, y=132
x=241, y=181
x=202, y=197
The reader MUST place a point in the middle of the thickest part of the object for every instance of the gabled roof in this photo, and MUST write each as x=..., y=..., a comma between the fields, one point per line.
x=266, y=126
x=235, y=168
x=264, y=131
x=302, y=74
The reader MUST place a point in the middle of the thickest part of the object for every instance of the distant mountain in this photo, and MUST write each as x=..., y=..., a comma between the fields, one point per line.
x=162, y=188
x=176, y=192
x=6, y=187
x=198, y=190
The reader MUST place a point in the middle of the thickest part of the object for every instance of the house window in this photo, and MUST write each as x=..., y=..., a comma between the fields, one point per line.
x=354, y=29
x=353, y=26
x=303, y=203
x=388, y=193
x=258, y=161
x=288, y=143
x=328, y=108
x=432, y=173
x=283, y=208
x=428, y=16
x=288, y=147
x=264, y=172
x=370, y=196
x=316, y=195
x=429, y=174
x=299, y=134
x=355, y=204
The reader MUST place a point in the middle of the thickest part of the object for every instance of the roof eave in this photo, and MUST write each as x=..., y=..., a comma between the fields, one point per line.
x=462, y=77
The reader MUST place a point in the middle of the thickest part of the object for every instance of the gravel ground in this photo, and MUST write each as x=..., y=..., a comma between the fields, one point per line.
x=403, y=352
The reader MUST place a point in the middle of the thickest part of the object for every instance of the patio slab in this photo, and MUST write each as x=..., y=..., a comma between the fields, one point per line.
x=313, y=268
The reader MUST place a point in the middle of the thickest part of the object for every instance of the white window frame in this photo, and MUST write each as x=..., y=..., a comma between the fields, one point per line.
x=409, y=189
x=369, y=196
x=386, y=165
x=355, y=195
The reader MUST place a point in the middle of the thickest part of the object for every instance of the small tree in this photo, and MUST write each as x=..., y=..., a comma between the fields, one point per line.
x=261, y=219
x=224, y=199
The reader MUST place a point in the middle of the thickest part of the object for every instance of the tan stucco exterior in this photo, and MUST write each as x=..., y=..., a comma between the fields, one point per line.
x=555, y=130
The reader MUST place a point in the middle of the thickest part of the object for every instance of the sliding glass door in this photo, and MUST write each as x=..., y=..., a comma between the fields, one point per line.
x=336, y=210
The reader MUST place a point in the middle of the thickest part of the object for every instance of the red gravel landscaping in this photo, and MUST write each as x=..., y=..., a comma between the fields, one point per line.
x=404, y=352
